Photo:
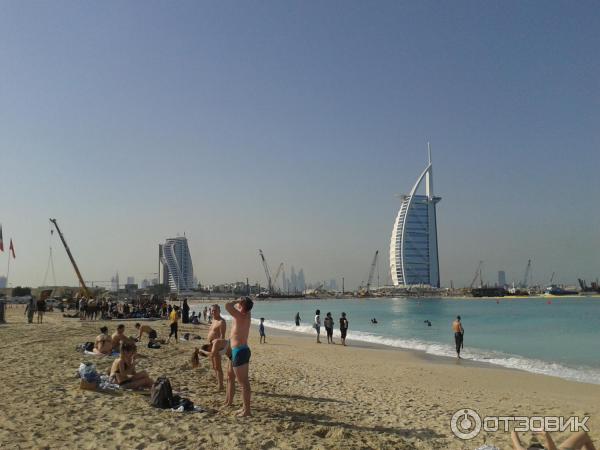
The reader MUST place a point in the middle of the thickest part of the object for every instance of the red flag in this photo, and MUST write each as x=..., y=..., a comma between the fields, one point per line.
x=1, y=242
x=12, y=249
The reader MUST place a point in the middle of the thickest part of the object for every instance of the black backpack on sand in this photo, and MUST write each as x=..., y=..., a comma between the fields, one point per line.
x=161, y=394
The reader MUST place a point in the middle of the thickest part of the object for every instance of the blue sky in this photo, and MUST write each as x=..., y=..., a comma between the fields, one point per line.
x=289, y=126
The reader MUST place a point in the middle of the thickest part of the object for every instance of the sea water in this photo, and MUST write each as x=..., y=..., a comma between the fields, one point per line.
x=557, y=337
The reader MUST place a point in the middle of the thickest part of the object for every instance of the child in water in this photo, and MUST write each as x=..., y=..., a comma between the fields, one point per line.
x=261, y=331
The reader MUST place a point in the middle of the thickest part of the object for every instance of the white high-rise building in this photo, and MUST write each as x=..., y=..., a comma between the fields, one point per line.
x=414, y=246
x=178, y=270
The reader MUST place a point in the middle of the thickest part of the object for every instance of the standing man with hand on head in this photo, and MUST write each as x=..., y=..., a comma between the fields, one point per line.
x=459, y=333
x=240, y=352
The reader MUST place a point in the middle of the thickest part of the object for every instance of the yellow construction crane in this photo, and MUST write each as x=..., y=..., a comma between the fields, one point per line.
x=84, y=288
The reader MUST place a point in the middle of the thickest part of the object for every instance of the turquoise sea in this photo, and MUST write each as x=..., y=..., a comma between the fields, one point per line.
x=557, y=336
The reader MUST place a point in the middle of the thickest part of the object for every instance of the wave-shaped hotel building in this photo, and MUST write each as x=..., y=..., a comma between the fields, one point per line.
x=178, y=271
x=414, y=245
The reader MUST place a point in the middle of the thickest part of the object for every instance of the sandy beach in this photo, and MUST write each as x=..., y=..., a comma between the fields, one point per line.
x=305, y=395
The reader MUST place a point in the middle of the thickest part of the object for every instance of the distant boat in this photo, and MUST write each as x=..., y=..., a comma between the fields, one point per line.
x=557, y=290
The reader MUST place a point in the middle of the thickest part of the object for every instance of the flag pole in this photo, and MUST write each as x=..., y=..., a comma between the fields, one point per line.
x=7, y=268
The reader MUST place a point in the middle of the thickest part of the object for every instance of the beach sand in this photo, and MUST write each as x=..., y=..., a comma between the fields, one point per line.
x=305, y=395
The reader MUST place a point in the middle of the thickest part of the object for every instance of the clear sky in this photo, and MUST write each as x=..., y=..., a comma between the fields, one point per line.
x=290, y=125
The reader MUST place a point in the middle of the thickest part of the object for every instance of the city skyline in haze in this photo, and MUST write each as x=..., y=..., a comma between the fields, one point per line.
x=290, y=127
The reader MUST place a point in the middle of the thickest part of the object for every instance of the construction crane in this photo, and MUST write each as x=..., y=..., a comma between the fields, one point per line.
x=477, y=275
x=276, y=277
x=79, y=277
x=372, y=271
x=364, y=291
x=267, y=271
x=524, y=283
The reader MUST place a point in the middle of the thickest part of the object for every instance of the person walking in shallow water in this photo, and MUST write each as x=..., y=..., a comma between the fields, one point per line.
x=459, y=333
x=297, y=319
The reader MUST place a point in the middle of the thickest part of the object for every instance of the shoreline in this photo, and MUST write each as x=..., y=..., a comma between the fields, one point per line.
x=473, y=357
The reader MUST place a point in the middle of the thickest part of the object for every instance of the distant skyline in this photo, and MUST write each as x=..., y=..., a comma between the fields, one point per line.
x=290, y=127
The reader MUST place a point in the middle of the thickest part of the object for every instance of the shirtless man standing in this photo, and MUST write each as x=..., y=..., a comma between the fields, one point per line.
x=103, y=344
x=217, y=331
x=240, y=352
x=459, y=332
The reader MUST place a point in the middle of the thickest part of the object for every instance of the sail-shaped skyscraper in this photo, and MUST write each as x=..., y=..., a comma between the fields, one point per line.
x=414, y=245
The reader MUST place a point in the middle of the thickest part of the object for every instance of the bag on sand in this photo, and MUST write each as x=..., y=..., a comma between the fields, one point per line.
x=88, y=346
x=161, y=394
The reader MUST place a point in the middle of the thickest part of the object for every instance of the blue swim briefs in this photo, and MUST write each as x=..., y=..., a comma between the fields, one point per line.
x=240, y=355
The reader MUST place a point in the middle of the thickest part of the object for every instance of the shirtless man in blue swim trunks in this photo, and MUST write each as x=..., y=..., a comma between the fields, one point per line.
x=240, y=352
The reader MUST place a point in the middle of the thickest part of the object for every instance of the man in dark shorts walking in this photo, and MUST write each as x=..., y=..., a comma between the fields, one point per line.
x=459, y=333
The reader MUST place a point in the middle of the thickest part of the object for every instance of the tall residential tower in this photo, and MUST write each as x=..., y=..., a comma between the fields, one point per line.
x=414, y=245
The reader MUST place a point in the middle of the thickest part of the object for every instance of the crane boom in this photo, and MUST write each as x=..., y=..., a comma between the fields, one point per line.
x=267, y=271
x=79, y=277
x=372, y=271
x=276, y=277
x=477, y=274
x=526, y=276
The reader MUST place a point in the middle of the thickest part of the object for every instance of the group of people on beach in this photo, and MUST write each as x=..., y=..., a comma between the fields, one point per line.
x=328, y=323
x=235, y=348
x=35, y=306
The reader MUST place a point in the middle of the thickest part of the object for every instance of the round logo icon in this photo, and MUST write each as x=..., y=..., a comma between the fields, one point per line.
x=465, y=424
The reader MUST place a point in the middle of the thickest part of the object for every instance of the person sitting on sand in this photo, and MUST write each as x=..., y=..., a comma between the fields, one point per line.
x=123, y=371
x=240, y=352
x=152, y=334
x=577, y=441
x=103, y=344
x=119, y=337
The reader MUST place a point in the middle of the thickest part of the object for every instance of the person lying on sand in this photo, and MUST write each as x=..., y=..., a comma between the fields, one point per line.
x=152, y=334
x=103, y=344
x=214, y=351
x=119, y=337
x=123, y=371
x=577, y=441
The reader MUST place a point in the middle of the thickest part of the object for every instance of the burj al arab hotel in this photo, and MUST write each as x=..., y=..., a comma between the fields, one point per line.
x=414, y=244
